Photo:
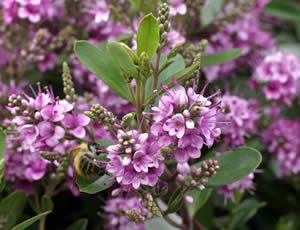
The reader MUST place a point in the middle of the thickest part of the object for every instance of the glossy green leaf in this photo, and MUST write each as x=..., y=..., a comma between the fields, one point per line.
x=2, y=176
x=11, y=208
x=121, y=58
x=30, y=221
x=284, y=10
x=210, y=10
x=148, y=36
x=204, y=215
x=245, y=211
x=46, y=203
x=178, y=75
x=234, y=165
x=97, y=61
x=2, y=144
x=166, y=74
x=92, y=186
x=80, y=224
x=173, y=197
x=221, y=57
x=200, y=198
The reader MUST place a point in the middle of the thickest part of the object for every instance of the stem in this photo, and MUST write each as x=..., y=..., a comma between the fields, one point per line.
x=197, y=224
x=168, y=219
x=156, y=72
x=138, y=102
x=131, y=93
x=178, y=198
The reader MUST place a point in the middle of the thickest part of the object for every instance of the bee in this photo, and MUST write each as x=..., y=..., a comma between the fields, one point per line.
x=84, y=160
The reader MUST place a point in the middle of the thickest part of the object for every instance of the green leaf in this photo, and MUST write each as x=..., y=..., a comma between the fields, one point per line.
x=210, y=10
x=148, y=36
x=92, y=186
x=200, y=198
x=173, y=197
x=97, y=61
x=284, y=9
x=47, y=203
x=30, y=221
x=166, y=74
x=178, y=75
x=11, y=208
x=2, y=144
x=121, y=58
x=104, y=142
x=245, y=211
x=80, y=224
x=221, y=57
x=2, y=172
x=205, y=215
x=234, y=165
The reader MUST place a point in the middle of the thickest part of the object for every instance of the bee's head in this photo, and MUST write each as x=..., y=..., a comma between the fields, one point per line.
x=93, y=147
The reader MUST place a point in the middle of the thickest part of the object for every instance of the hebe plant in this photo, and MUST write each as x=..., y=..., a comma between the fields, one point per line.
x=157, y=154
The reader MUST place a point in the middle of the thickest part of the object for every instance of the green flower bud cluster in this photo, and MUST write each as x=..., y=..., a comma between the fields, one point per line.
x=128, y=119
x=63, y=160
x=145, y=66
x=68, y=84
x=164, y=24
x=136, y=215
x=103, y=117
x=148, y=202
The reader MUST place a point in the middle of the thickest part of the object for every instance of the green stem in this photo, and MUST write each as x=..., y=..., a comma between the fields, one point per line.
x=156, y=72
x=138, y=102
x=131, y=93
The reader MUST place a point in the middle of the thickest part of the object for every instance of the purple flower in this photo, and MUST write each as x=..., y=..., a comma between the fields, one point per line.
x=187, y=120
x=135, y=160
x=282, y=139
x=56, y=112
x=242, y=185
x=279, y=74
x=115, y=213
x=175, y=125
x=28, y=135
x=177, y=7
x=76, y=124
x=51, y=133
x=241, y=117
x=141, y=162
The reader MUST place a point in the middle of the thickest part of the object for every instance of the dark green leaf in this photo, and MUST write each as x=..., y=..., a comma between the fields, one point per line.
x=173, y=198
x=148, y=36
x=166, y=74
x=30, y=221
x=284, y=9
x=205, y=215
x=245, y=211
x=92, y=186
x=47, y=203
x=104, y=142
x=80, y=224
x=121, y=58
x=2, y=144
x=234, y=165
x=221, y=57
x=200, y=198
x=97, y=61
x=11, y=208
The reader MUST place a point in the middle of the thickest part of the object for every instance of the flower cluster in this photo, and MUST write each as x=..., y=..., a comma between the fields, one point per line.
x=187, y=120
x=241, y=115
x=282, y=139
x=245, y=33
x=135, y=160
x=116, y=213
x=279, y=74
x=43, y=123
